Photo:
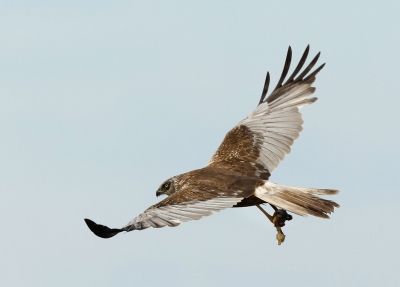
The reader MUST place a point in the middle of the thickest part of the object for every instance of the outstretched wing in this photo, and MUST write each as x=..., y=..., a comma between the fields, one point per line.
x=257, y=144
x=183, y=206
x=190, y=203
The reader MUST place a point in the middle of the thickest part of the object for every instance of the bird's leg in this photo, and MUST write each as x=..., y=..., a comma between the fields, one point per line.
x=266, y=213
x=278, y=220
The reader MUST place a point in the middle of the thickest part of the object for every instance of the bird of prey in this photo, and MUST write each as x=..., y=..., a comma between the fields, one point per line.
x=237, y=175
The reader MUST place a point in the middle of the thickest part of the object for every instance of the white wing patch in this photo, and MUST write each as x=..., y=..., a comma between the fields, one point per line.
x=278, y=123
x=173, y=215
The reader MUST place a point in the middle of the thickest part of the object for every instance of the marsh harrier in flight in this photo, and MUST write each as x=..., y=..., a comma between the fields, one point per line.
x=237, y=175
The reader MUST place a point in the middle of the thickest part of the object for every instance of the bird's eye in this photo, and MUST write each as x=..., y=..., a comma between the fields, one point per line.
x=166, y=185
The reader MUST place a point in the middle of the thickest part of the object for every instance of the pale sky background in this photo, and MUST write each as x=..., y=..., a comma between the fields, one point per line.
x=101, y=101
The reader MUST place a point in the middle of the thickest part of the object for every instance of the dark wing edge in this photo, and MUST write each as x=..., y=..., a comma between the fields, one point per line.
x=281, y=89
x=101, y=230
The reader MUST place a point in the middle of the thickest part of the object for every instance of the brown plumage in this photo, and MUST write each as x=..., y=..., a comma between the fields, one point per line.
x=237, y=175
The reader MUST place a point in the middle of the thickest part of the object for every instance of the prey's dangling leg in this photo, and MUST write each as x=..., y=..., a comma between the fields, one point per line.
x=278, y=220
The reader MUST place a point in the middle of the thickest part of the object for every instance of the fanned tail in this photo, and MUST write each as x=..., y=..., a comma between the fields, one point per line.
x=302, y=201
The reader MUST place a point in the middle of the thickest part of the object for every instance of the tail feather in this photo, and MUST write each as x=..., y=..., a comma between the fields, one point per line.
x=301, y=201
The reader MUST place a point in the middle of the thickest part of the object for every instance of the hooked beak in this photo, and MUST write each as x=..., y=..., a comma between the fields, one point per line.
x=158, y=193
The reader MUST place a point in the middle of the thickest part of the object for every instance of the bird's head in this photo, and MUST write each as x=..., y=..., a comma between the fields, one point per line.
x=167, y=188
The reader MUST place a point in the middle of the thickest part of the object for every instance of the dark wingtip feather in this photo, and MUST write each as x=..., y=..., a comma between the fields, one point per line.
x=309, y=67
x=101, y=230
x=294, y=78
x=299, y=65
x=265, y=89
x=313, y=74
x=286, y=68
